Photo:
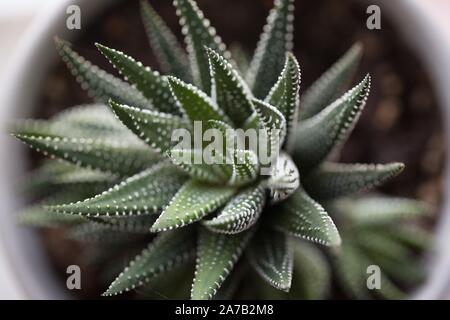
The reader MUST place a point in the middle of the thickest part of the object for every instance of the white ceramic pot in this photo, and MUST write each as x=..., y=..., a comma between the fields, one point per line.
x=25, y=268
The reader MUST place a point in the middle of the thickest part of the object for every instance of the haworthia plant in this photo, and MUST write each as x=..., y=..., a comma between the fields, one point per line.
x=118, y=177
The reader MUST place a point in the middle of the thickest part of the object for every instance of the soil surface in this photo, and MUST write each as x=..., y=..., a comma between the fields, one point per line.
x=402, y=121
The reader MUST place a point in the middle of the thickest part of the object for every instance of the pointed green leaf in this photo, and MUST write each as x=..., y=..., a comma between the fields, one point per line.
x=191, y=203
x=351, y=271
x=245, y=167
x=195, y=103
x=198, y=33
x=55, y=175
x=100, y=84
x=273, y=126
x=240, y=213
x=89, y=121
x=169, y=53
x=334, y=180
x=150, y=83
x=396, y=260
x=331, y=84
x=302, y=217
x=351, y=268
x=413, y=236
x=284, y=180
x=381, y=210
x=95, y=118
x=93, y=232
x=193, y=162
x=317, y=137
x=232, y=283
x=154, y=128
x=41, y=217
x=167, y=251
x=229, y=90
x=216, y=256
x=144, y=193
x=271, y=255
x=312, y=275
x=284, y=95
x=117, y=157
x=275, y=41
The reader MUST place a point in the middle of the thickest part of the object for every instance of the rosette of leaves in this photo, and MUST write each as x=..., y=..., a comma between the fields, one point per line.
x=225, y=218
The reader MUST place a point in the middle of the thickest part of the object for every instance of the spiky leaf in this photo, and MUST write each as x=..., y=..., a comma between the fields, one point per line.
x=166, y=252
x=150, y=83
x=154, y=128
x=393, y=257
x=240, y=213
x=198, y=34
x=351, y=267
x=195, y=103
x=271, y=255
x=116, y=157
x=215, y=170
x=100, y=84
x=331, y=84
x=284, y=95
x=191, y=203
x=216, y=255
x=275, y=41
x=334, y=180
x=284, y=180
x=245, y=167
x=229, y=90
x=317, y=137
x=374, y=211
x=171, y=56
x=146, y=192
x=274, y=125
x=41, y=217
x=312, y=274
x=302, y=217
x=93, y=232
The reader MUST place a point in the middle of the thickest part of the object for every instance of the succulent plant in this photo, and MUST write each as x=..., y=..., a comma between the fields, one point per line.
x=269, y=235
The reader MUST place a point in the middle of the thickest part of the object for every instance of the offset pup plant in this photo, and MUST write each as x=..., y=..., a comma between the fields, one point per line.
x=283, y=235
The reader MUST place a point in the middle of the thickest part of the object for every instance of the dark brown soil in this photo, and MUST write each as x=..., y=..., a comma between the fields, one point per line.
x=402, y=121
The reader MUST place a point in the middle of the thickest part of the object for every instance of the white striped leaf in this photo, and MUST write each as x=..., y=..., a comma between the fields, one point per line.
x=271, y=255
x=284, y=96
x=169, y=53
x=240, y=213
x=331, y=84
x=216, y=256
x=285, y=179
x=334, y=180
x=198, y=34
x=99, y=84
x=152, y=127
x=229, y=90
x=275, y=41
x=144, y=193
x=191, y=203
x=116, y=157
x=150, y=83
x=168, y=250
x=317, y=137
x=302, y=217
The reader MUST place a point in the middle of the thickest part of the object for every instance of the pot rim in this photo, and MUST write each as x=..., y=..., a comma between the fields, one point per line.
x=30, y=259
